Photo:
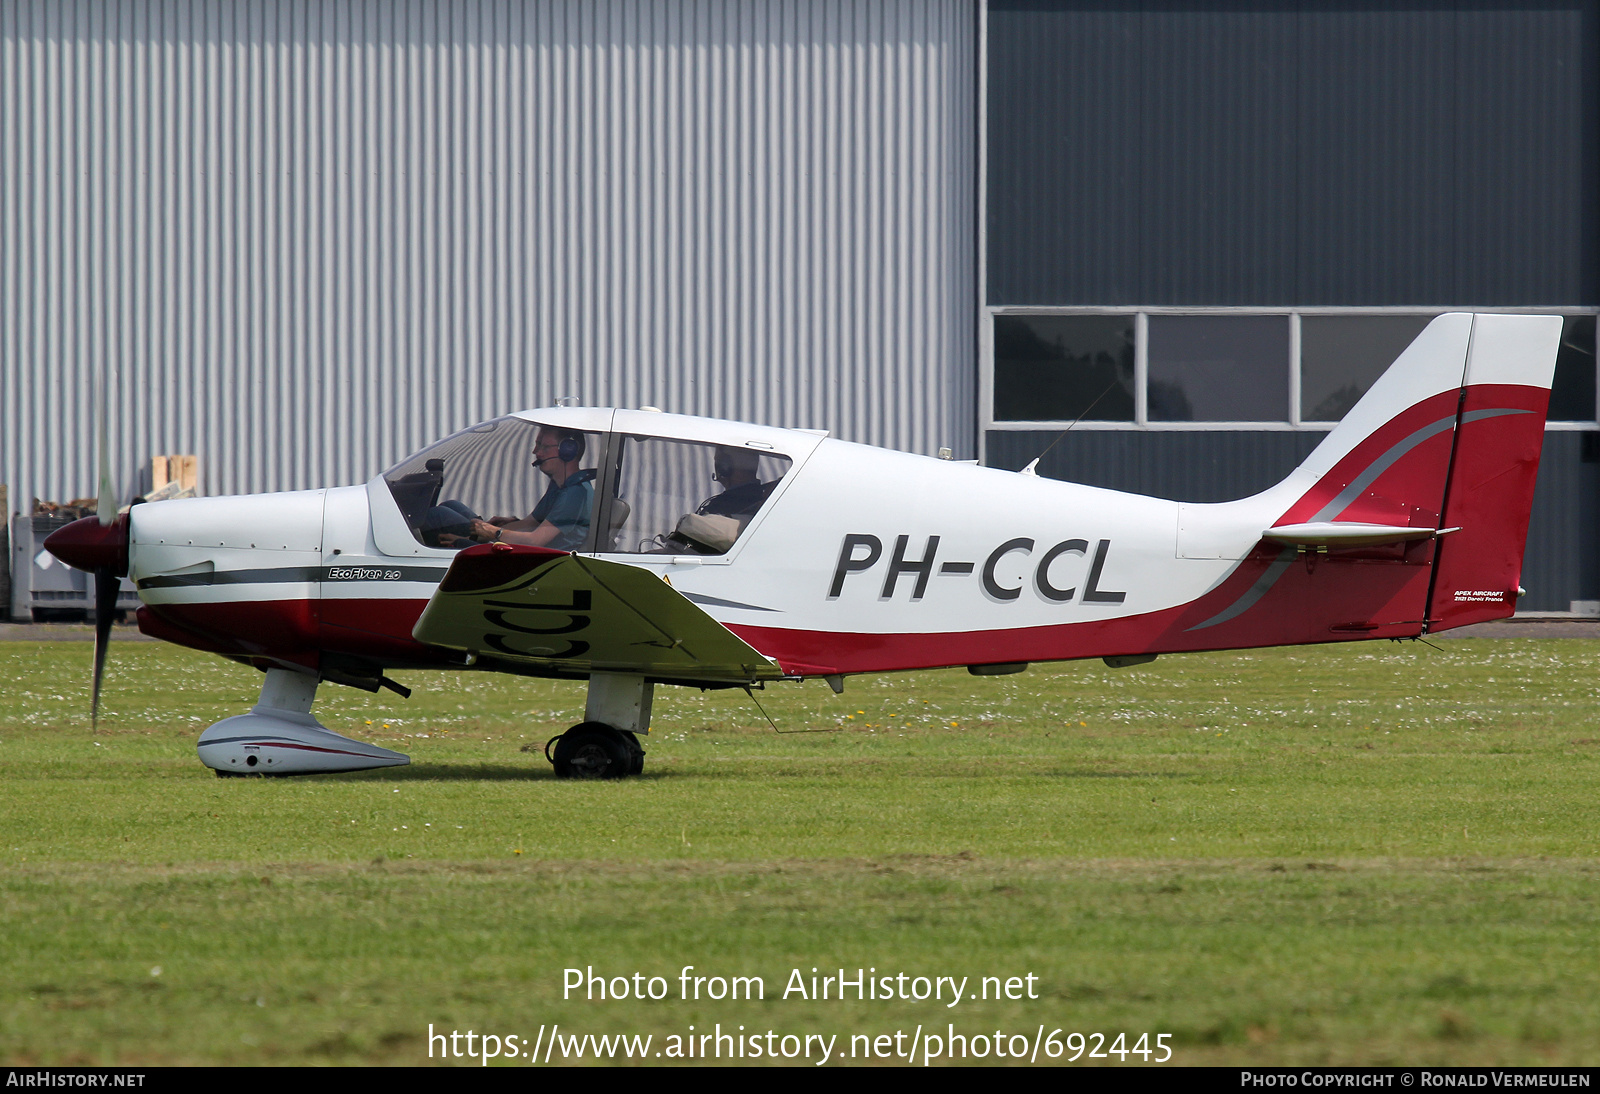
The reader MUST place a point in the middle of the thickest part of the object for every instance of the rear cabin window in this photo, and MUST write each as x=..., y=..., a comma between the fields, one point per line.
x=687, y=497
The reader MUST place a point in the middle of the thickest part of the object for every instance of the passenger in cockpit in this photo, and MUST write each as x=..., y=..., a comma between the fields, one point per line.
x=742, y=492
x=718, y=522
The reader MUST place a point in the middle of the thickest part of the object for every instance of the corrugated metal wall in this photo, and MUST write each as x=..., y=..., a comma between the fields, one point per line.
x=306, y=238
x=1281, y=153
x=1562, y=562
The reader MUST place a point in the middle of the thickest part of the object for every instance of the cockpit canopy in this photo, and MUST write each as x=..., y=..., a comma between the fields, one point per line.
x=585, y=490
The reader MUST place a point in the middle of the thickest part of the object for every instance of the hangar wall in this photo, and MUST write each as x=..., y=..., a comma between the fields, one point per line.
x=304, y=239
x=1286, y=153
x=1208, y=229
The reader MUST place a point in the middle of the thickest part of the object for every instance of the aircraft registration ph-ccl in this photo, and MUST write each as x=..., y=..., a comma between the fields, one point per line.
x=615, y=557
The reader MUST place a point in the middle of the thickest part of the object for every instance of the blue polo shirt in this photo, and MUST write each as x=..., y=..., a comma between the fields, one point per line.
x=569, y=507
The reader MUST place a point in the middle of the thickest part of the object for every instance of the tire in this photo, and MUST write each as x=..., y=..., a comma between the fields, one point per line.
x=637, y=766
x=593, y=751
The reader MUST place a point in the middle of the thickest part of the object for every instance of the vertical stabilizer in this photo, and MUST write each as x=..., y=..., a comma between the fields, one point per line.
x=1413, y=514
x=1388, y=460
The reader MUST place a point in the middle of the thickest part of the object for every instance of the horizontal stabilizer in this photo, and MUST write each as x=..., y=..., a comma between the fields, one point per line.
x=1348, y=534
x=576, y=614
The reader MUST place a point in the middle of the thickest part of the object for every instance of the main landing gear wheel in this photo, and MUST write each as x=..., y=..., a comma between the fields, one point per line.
x=637, y=767
x=593, y=750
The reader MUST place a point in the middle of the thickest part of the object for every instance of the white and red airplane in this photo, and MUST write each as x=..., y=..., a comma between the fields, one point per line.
x=815, y=557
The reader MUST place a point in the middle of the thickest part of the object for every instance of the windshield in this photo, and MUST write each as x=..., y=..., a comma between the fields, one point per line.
x=508, y=480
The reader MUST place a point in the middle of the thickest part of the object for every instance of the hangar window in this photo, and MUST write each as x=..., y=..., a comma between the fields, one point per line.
x=1572, y=396
x=1234, y=368
x=1064, y=367
x=1207, y=368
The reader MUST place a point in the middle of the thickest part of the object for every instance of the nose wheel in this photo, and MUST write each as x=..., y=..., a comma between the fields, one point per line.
x=594, y=750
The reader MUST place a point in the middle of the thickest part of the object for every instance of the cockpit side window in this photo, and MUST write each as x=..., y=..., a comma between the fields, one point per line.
x=493, y=480
x=688, y=497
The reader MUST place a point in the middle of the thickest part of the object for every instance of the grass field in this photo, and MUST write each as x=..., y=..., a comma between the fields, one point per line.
x=1356, y=854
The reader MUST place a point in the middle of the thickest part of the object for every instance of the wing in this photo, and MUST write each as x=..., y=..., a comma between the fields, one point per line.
x=569, y=613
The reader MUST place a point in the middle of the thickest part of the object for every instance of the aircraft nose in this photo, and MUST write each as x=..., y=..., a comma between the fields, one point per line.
x=89, y=545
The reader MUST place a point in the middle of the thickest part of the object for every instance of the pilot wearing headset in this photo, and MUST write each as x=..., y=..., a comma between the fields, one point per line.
x=561, y=519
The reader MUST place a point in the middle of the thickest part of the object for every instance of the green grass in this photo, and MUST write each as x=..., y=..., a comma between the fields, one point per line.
x=1363, y=853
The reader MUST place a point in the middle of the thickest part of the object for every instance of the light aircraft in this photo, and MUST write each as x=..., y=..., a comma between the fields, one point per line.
x=614, y=557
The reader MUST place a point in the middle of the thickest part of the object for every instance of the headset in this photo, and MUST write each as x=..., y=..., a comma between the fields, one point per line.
x=571, y=448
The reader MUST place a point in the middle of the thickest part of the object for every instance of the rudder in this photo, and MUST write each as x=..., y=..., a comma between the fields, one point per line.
x=1493, y=466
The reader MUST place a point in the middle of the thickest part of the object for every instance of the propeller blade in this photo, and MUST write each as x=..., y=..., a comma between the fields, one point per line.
x=107, y=579
x=106, y=587
x=106, y=507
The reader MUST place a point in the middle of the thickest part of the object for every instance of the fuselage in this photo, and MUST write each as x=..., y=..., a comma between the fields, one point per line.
x=861, y=559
